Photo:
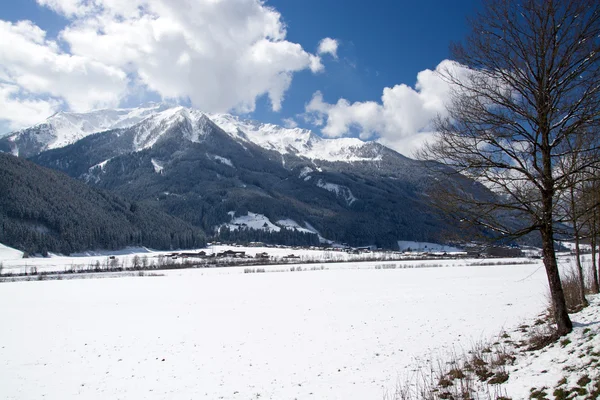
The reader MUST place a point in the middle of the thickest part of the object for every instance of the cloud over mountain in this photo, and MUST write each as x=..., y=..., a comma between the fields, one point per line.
x=218, y=55
x=401, y=120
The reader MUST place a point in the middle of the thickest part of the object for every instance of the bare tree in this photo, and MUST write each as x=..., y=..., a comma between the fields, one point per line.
x=591, y=200
x=577, y=214
x=136, y=262
x=525, y=96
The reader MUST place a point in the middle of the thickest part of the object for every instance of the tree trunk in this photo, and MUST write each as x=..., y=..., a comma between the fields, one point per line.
x=559, y=306
x=596, y=265
x=593, y=242
x=581, y=287
x=595, y=287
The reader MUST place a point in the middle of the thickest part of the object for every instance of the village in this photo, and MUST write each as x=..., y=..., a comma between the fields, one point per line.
x=262, y=253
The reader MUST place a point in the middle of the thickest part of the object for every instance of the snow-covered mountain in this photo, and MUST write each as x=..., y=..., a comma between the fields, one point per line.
x=64, y=128
x=202, y=167
x=152, y=121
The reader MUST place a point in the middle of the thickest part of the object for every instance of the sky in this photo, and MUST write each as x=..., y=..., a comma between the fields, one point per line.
x=341, y=69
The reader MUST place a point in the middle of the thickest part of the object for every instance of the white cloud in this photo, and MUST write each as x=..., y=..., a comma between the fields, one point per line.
x=20, y=111
x=221, y=55
x=402, y=120
x=37, y=66
x=69, y=8
x=328, y=45
x=289, y=123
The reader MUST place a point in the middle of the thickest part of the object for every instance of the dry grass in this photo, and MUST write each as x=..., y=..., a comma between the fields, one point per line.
x=571, y=287
x=481, y=370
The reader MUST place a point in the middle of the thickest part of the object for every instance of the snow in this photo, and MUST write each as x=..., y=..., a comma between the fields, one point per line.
x=404, y=245
x=546, y=367
x=339, y=190
x=106, y=253
x=153, y=120
x=313, y=229
x=158, y=166
x=292, y=140
x=64, y=128
x=572, y=247
x=8, y=253
x=220, y=333
x=305, y=172
x=80, y=261
x=291, y=224
x=252, y=221
x=223, y=160
x=150, y=130
x=100, y=165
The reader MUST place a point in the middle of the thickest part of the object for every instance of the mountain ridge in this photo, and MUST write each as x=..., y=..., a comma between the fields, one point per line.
x=65, y=128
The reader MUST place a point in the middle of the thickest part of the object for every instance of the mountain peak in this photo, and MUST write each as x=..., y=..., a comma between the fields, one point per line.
x=151, y=120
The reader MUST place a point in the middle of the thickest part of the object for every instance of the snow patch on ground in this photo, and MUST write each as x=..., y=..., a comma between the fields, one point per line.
x=252, y=221
x=158, y=166
x=223, y=160
x=305, y=172
x=8, y=253
x=314, y=230
x=339, y=190
x=291, y=224
x=100, y=165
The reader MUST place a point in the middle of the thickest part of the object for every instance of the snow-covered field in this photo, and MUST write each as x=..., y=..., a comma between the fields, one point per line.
x=345, y=333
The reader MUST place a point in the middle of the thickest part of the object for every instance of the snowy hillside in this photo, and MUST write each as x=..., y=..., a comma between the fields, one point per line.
x=261, y=222
x=251, y=221
x=8, y=253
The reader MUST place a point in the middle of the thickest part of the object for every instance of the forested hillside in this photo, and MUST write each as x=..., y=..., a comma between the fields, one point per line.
x=42, y=211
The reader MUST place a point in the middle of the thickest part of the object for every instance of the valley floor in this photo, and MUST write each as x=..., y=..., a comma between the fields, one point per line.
x=224, y=334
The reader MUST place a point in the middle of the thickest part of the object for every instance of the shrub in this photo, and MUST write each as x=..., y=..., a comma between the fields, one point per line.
x=570, y=284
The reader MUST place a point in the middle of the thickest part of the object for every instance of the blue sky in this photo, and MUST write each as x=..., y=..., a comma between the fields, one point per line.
x=83, y=54
x=382, y=42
